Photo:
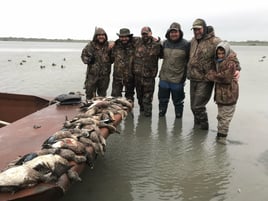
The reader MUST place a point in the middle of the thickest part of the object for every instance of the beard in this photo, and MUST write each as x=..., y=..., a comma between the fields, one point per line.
x=198, y=36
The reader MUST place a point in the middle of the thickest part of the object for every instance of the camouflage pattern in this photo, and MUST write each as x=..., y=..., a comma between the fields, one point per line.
x=122, y=54
x=145, y=92
x=200, y=94
x=201, y=60
x=145, y=69
x=146, y=58
x=96, y=85
x=224, y=117
x=226, y=88
x=97, y=56
x=202, y=57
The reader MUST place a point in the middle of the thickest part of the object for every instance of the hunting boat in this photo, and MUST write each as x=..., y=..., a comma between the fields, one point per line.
x=26, y=122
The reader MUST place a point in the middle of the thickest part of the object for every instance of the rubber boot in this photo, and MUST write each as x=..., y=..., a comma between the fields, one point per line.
x=147, y=110
x=178, y=98
x=163, y=97
x=204, y=121
x=221, y=138
x=148, y=106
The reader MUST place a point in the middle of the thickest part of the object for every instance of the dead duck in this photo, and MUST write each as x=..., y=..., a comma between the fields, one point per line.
x=57, y=136
x=19, y=177
x=52, y=165
x=71, y=156
x=67, y=143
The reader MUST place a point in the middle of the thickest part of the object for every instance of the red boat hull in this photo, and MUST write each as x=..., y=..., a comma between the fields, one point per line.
x=27, y=134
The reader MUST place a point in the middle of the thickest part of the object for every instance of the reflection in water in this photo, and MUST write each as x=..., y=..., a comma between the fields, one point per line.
x=204, y=170
x=177, y=167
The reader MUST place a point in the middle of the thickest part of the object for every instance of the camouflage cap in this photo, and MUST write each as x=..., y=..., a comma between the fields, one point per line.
x=124, y=32
x=198, y=24
x=175, y=26
x=146, y=30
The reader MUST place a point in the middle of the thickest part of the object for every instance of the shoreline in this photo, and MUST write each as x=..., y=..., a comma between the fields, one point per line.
x=239, y=43
x=40, y=39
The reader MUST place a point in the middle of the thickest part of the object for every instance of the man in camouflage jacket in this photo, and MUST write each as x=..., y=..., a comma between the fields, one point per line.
x=122, y=54
x=145, y=68
x=202, y=51
x=97, y=56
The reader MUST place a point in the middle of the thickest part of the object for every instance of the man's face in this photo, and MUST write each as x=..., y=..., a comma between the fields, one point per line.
x=101, y=38
x=145, y=36
x=198, y=33
x=124, y=39
x=174, y=35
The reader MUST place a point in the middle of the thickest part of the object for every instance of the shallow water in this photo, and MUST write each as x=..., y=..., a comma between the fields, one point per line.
x=158, y=158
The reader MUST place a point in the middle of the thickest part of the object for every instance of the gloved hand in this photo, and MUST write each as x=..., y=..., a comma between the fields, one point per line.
x=91, y=59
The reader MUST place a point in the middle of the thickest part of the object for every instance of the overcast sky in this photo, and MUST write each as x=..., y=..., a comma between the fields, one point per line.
x=233, y=20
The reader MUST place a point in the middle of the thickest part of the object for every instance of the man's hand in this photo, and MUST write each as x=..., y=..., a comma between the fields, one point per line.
x=111, y=44
x=236, y=75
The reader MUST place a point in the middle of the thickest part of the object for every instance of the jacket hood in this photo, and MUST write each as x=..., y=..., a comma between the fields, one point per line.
x=225, y=45
x=174, y=26
x=99, y=30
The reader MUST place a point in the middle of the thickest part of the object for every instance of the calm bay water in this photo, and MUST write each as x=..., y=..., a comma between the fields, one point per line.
x=157, y=158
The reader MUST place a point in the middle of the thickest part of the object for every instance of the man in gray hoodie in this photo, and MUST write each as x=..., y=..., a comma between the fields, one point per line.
x=173, y=70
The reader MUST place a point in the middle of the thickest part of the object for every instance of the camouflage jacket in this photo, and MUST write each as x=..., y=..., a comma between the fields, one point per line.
x=98, y=58
x=122, y=55
x=226, y=88
x=146, y=58
x=202, y=56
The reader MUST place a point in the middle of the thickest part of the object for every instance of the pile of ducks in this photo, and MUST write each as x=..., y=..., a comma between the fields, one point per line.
x=73, y=144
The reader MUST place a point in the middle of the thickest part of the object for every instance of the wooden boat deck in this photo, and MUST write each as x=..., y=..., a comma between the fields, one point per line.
x=26, y=135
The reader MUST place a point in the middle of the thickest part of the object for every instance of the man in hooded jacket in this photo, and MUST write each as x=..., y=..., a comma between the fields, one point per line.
x=201, y=61
x=97, y=56
x=173, y=70
x=202, y=51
